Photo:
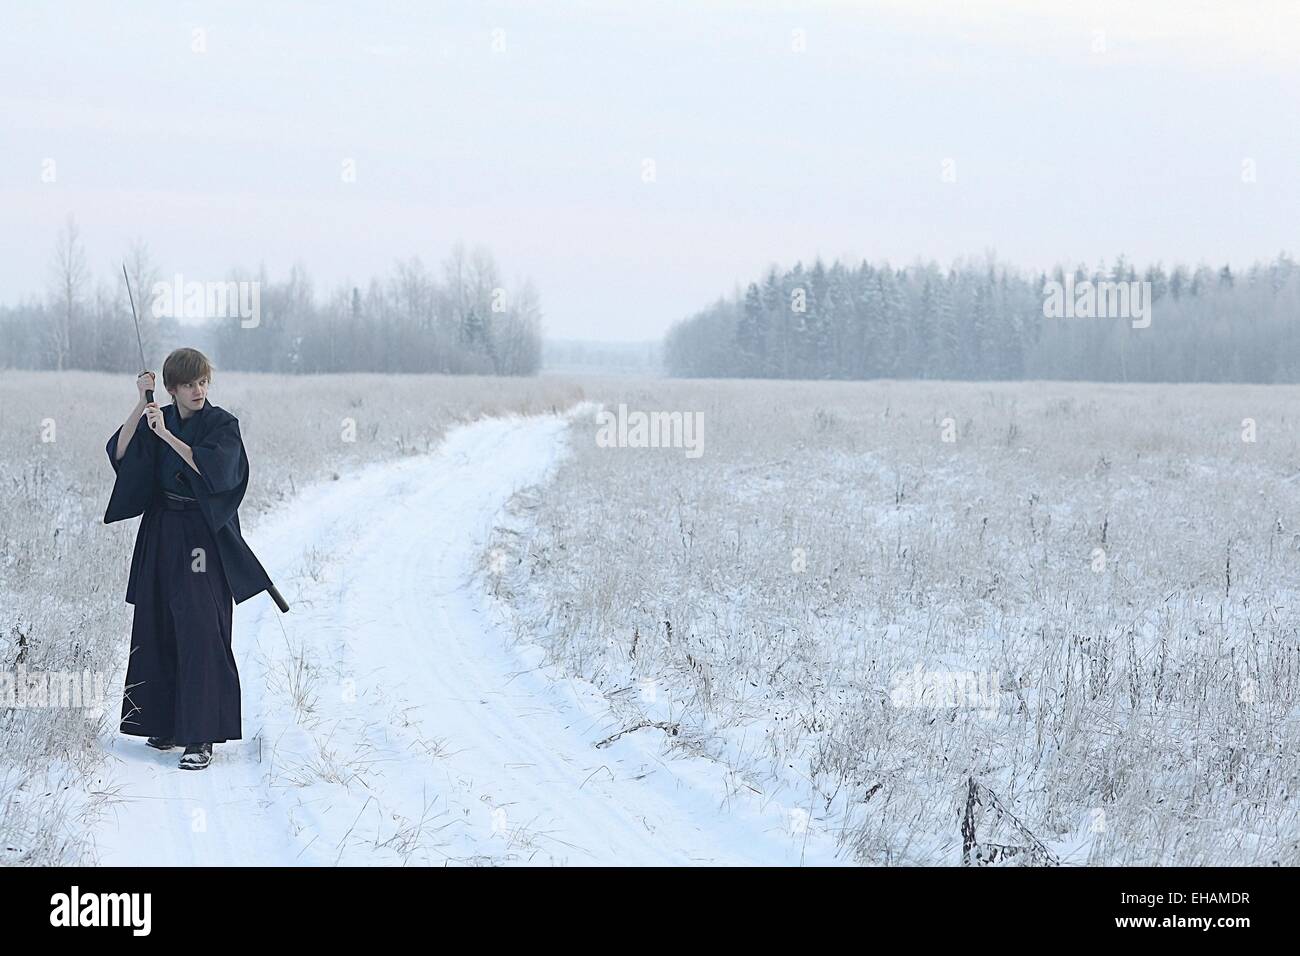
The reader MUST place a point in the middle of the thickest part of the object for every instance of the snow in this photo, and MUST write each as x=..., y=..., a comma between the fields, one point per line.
x=388, y=720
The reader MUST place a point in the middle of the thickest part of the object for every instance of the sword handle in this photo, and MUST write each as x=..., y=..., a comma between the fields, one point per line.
x=148, y=392
x=280, y=602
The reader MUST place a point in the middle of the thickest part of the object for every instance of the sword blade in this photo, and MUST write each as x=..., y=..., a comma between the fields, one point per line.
x=148, y=395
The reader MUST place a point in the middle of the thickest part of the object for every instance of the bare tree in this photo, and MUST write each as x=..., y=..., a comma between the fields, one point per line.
x=455, y=271
x=69, y=275
x=518, y=334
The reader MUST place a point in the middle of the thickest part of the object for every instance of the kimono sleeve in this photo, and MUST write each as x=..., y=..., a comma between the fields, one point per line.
x=133, y=485
x=219, y=456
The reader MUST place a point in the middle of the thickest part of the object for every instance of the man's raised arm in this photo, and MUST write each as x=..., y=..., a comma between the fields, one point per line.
x=127, y=431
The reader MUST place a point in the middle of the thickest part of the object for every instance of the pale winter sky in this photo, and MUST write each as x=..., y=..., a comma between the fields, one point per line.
x=1076, y=131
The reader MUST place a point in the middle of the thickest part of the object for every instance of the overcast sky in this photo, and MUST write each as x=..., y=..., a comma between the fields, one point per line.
x=1076, y=131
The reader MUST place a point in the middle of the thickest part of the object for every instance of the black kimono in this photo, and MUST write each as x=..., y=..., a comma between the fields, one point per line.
x=190, y=565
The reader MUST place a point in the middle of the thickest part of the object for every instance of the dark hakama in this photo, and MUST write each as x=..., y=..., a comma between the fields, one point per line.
x=181, y=681
x=181, y=678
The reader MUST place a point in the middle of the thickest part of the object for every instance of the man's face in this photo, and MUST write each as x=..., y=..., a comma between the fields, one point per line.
x=191, y=395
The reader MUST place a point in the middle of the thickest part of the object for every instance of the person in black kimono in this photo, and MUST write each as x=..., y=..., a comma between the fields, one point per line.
x=184, y=469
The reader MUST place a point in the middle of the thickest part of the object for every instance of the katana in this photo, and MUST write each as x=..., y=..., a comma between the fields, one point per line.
x=148, y=392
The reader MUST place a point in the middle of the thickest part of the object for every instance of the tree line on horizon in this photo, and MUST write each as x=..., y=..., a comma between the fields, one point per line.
x=464, y=321
x=984, y=320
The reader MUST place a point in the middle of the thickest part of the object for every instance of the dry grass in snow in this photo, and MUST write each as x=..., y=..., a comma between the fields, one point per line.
x=1094, y=586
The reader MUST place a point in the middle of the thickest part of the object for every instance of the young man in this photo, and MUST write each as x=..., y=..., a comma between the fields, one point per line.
x=183, y=467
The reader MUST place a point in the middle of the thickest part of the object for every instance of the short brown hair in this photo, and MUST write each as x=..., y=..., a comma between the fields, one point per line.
x=184, y=366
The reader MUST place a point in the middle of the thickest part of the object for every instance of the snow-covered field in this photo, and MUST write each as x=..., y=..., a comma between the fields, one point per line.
x=871, y=622
x=1031, y=622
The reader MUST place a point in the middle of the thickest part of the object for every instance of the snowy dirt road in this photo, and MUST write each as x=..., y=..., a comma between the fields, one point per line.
x=390, y=722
